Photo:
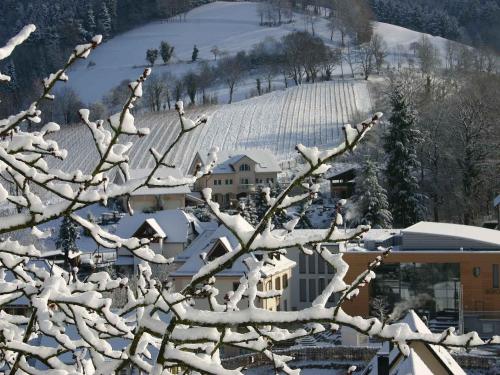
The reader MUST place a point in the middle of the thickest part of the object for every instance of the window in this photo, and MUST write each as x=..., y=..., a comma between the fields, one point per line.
x=312, y=263
x=270, y=180
x=312, y=289
x=285, y=281
x=229, y=182
x=496, y=276
x=476, y=271
x=285, y=305
x=244, y=181
x=269, y=285
x=321, y=285
x=330, y=268
x=321, y=264
x=488, y=327
x=277, y=283
x=303, y=292
x=244, y=167
x=302, y=263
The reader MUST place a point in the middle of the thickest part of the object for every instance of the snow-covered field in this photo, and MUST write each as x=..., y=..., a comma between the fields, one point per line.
x=231, y=26
x=311, y=114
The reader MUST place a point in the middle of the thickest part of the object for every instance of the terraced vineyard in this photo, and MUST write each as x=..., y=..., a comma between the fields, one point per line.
x=311, y=114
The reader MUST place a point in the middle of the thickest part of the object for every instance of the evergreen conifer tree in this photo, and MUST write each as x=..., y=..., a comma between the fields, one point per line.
x=370, y=198
x=90, y=23
x=104, y=21
x=406, y=203
x=68, y=234
x=194, y=56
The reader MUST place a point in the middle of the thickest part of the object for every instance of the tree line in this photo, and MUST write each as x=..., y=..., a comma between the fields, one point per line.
x=61, y=25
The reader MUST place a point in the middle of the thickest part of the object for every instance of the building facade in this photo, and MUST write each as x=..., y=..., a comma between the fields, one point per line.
x=449, y=272
x=147, y=199
x=237, y=174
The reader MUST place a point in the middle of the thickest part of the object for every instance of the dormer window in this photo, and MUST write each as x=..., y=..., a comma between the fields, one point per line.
x=244, y=167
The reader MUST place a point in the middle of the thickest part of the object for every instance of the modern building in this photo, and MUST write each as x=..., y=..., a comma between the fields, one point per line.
x=216, y=242
x=146, y=199
x=424, y=359
x=449, y=272
x=237, y=174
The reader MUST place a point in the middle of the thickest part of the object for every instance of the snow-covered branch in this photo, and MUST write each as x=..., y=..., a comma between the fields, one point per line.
x=74, y=326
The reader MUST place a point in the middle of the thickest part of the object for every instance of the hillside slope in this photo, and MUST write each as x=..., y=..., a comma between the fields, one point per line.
x=232, y=26
x=309, y=114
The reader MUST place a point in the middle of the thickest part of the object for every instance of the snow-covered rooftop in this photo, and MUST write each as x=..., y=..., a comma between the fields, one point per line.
x=467, y=232
x=264, y=159
x=164, y=172
x=204, y=244
x=413, y=364
x=173, y=223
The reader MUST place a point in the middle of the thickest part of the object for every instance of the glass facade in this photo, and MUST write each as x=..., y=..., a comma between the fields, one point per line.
x=431, y=288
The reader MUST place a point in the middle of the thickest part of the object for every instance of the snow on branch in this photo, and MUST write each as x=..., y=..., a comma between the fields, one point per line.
x=13, y=42
x=74, y=325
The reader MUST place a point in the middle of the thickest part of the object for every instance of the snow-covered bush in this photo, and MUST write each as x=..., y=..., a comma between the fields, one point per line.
x=71, y=327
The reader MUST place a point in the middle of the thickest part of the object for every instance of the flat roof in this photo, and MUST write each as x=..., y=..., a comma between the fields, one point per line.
x=469, y=232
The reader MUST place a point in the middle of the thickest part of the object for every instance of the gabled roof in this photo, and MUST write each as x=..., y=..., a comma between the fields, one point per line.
x=264, y=159
x=466, y=232
x=153, y=224
x=413, y=364
x=164, y=172
x=174, y=224
x=205, y=242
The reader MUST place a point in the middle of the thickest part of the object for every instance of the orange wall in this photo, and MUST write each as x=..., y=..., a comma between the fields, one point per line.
x=478, y=294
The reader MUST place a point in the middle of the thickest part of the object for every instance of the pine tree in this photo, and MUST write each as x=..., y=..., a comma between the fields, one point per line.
x=194, y=56
x=104, y=21
x=90, y=23
x=68, y=234
x=406, y=203
x=370, y=198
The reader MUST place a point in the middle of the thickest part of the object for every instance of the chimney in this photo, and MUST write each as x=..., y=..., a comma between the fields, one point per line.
x=383, y=364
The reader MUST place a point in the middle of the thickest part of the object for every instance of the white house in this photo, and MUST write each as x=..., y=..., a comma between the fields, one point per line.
x=237, y=174
x=171, y=232
x=155, y=199
x=219, y=240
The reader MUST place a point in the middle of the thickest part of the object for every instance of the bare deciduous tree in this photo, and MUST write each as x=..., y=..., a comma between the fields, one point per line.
x=159, y=329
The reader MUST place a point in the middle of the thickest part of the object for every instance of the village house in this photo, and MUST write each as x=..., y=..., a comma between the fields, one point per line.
x=342, y=183
x=171, y=232
x=147, y=199
x=218, y=241
x=237, y=174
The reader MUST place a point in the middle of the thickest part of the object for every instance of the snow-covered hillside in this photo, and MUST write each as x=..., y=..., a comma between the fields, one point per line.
x=309, y=114
x=231, y=26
